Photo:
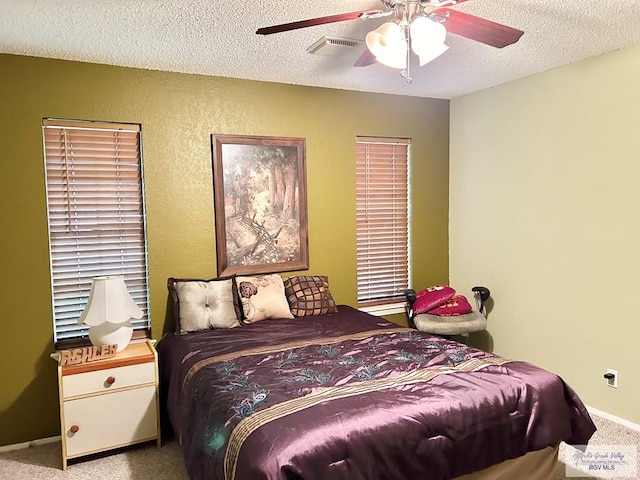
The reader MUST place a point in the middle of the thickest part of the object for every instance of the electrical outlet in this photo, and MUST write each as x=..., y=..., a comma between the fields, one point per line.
x=612, y=381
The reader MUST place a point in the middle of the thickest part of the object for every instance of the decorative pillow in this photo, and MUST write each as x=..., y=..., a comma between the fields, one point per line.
x=431, y=297
x=309, y=295
x=263, y=297
x=456, y=305
x=202, y=304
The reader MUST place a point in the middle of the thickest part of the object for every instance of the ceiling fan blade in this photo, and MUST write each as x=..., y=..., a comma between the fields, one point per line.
x=365, y=59
x=479, y=29
x=312, y=22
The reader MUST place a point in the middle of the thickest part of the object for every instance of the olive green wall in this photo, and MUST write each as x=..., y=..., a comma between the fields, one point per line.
x=178, y=113
x=545, y=209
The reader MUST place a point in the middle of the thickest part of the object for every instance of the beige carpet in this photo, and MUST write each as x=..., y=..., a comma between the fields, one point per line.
x=166, y=463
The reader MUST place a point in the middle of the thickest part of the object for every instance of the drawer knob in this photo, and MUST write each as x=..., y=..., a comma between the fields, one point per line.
x=111, y=380
x=74, y=429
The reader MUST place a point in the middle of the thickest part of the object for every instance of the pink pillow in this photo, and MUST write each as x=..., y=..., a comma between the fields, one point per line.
x=432, y=297
x=457, y=305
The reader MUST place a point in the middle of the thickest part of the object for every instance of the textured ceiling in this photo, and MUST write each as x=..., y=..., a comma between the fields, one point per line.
x=215, y=37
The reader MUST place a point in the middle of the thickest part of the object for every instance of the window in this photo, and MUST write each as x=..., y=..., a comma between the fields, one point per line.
x=382, y=210
x=96, y=218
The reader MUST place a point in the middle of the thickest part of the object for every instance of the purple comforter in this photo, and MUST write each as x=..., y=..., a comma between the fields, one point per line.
x=352, y=396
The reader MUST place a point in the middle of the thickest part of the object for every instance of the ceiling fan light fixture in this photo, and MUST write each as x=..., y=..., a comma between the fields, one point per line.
x=427, y=39
x=423, y=29
x=388, y=45
x=430, y=53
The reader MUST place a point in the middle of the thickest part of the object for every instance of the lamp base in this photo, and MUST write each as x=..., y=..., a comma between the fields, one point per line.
x=111, y=333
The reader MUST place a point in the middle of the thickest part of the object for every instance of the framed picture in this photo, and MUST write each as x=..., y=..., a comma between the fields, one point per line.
x=260, y=195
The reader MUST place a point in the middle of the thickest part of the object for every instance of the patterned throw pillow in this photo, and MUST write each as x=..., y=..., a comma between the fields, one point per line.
x=262, y=297
x=431, y=297
x=202, y=304
x=309, y=295
x=457, y=305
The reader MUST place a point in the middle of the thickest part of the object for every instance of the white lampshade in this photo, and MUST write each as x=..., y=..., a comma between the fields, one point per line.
x=388, y=45
x=108, y=312
x=427, y=39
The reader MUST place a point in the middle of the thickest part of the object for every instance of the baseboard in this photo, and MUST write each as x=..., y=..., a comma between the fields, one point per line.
x=614, y=419
x=32, y=443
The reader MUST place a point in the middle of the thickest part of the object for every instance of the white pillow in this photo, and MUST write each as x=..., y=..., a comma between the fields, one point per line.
x=263, y=297
x=206, y=304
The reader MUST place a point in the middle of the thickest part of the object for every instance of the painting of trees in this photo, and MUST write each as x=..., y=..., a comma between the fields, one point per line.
x=260, y=195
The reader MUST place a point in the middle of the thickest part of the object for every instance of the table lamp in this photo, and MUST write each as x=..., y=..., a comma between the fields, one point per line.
x=109, y=311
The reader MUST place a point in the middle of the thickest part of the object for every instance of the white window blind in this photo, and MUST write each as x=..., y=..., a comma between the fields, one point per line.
x=382, y=210
x=96, y=217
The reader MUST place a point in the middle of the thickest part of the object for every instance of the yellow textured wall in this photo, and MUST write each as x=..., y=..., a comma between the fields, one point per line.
x=178, y=113
x=545, y=209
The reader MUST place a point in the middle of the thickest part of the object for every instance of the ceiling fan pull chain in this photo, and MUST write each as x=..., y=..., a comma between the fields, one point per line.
x=406, y=72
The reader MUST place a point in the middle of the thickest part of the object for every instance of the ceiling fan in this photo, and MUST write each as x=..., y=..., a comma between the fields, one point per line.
x=418, y=26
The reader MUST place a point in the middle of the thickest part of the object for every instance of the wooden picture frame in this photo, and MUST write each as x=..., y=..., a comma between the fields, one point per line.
x=260, y=203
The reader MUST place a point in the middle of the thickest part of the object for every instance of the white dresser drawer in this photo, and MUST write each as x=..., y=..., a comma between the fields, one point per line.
x=108, y=379
x=110, y=421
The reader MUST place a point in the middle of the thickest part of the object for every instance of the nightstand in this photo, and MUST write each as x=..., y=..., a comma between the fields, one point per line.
x=109, y=403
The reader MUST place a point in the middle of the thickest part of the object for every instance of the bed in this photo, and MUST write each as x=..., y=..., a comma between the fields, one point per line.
x=348, y=395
